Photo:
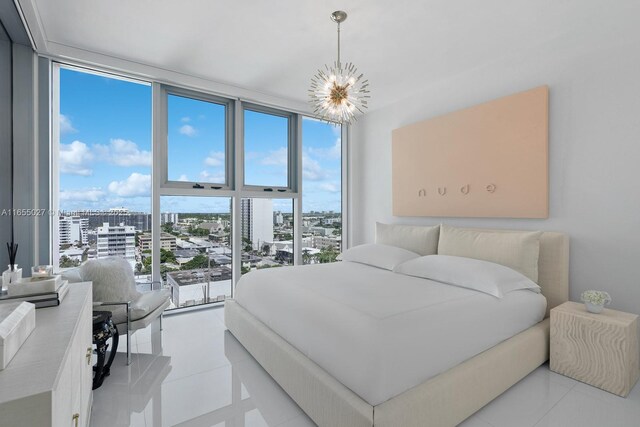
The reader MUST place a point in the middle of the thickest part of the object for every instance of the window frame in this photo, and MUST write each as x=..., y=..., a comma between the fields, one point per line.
x=163, y=142
x=54, y=145
x=293, y=142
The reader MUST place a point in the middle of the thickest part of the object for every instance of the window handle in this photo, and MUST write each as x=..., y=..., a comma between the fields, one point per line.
x=196, y=185
x=268, y=189
x=215, y=187
x=281, y=190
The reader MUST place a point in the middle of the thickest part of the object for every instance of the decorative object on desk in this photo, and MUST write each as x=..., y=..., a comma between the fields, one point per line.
x=17, y=321
x=34, y=285
x=42, y=271
x=595, y=300
x=13, y=273
x=338, y=92
x=41, y=300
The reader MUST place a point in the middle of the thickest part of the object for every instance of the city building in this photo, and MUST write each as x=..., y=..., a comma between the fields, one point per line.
x=141, y=221
x=322, y=242
x=212, y=227
x=257, y=221
x=73, y=229
x=199, y=286
x=169, y=217
x=116, y=240
x=167, y=241
x=279, y=219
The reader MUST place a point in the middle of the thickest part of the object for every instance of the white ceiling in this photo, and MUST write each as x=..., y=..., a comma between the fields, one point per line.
x=274, y=47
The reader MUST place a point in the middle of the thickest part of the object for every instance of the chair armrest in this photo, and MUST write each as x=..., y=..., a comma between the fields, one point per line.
x=100, y=303
x=127, y=304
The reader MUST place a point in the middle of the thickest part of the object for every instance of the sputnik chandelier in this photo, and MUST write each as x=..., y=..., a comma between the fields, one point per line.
x=338, y=92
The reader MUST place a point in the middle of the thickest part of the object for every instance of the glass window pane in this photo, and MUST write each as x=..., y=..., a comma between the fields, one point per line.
x=196, y=140
x=195, y=249
x=267, y=233
x=104, y=165
x=321, y=191
x=266, y=149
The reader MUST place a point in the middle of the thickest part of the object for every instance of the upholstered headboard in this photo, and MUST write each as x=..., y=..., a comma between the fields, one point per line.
x=553, y=265
x=553, y=268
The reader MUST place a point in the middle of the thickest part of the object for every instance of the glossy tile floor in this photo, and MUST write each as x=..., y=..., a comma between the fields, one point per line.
x=202, y=376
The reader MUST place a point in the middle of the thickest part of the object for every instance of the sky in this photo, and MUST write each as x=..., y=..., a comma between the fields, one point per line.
x=105, y=149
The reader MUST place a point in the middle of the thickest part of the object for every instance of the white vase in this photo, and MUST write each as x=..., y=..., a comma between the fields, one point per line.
x=11, y=276
x=594, y=308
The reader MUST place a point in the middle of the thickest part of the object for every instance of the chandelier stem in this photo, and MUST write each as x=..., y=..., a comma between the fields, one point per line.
x=339, y=45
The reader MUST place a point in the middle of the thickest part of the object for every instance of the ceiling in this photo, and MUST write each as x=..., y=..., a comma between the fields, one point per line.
x=275, y=47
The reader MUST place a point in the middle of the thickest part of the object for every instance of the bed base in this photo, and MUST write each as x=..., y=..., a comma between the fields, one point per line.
x=443, y=401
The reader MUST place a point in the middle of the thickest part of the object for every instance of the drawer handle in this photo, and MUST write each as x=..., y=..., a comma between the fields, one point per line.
x=75, y=419
x=88, y=356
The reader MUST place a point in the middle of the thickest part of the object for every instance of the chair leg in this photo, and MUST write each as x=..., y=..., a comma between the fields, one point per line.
x=128, y=333
x=128, y=348
x=161, y=316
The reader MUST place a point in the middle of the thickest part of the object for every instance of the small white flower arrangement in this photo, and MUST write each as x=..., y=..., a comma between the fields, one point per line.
x=595, y=300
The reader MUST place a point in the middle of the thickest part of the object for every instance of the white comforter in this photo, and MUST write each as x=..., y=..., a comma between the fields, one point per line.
x=377, y=332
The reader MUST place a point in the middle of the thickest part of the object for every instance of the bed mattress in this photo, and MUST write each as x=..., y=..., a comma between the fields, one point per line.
x=377, y=332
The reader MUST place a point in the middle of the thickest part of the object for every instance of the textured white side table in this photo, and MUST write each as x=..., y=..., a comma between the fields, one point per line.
x=598, y=349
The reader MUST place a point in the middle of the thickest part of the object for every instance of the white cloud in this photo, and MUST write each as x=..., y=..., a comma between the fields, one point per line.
x=252, y=155
x=188, y=130
x=122, y=152
x=334, y=152
x=215, y=159
x=74, y=158
x=207, y=176
x=89, y=195
x=135, y=185
x=331, y=187
x=183, y=178
x=312, y=170
x=185, y=119
x=65, y=125
x=277, y=157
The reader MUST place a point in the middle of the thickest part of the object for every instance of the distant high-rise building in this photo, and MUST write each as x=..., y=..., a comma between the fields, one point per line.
x=279, y=220
x=166, y=217
x=257, y=221
x=116, y=240
x=73, y=229
x=116, y=216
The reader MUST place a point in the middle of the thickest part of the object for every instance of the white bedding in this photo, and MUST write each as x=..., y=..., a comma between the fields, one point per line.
x=381, y=333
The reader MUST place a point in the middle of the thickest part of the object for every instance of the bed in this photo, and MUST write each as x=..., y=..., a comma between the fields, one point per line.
x=353, y=355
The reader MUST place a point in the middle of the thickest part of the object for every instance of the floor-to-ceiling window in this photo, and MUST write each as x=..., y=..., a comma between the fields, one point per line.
x=193, y=188
x=195, y=249
x=102, y=168
x=322, y=191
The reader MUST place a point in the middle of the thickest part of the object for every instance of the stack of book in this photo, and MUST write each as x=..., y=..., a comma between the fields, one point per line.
x=42, y=292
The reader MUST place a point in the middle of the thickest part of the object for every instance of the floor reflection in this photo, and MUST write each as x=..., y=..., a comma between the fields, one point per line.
x=200, y=375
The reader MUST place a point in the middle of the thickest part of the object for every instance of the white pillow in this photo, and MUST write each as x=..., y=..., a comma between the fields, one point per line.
x=514, y=249
x=377, y=255
x=484, y=276
x=419, y=239
x=112, y=279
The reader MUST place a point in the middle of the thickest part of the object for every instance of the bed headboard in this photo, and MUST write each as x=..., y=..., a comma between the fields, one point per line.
x=553, y=268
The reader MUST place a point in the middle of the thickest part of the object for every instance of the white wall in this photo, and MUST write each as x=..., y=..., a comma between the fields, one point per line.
x=594, y=81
